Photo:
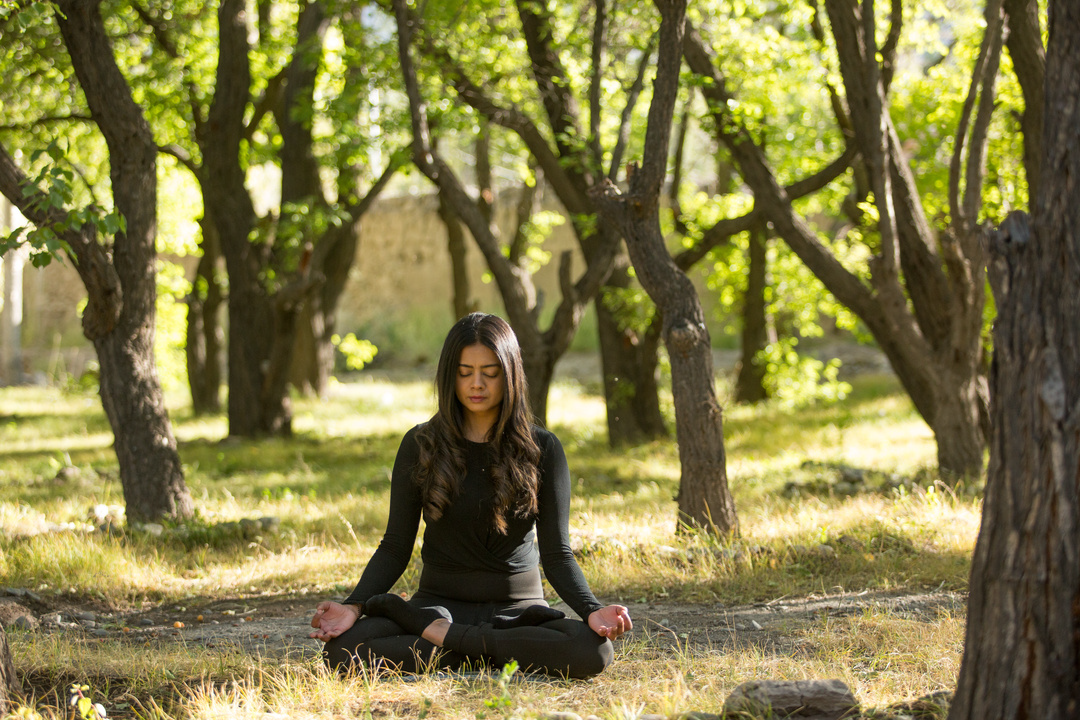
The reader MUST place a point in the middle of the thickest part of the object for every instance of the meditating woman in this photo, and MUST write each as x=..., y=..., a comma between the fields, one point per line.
x=494, y=492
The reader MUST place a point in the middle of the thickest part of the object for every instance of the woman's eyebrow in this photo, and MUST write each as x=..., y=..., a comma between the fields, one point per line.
x=482, y=367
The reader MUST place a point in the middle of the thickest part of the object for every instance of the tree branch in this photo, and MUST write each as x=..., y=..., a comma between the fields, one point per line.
x=632, y=98
x=597, y=74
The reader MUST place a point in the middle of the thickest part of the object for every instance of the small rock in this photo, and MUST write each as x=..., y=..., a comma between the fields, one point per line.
x=846, y=489
x=269, y=523
x=85, y=616
x=52, y=619
x=153, y=529
x=805, y=699
x=648, y=716
x=88, y=623
x=16, y=592
x=561, y=716
x=249, y=527
x=825, y=551
x=146, y=622
x=24, y=623
x=99, y=632
x=695, y=715
x=67, y=474
x=33, y=595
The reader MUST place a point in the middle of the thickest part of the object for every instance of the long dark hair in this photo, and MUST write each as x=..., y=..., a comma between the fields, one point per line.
x=515, y=466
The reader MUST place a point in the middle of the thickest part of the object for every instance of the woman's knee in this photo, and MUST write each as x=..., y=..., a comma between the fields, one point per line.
x=592, y=660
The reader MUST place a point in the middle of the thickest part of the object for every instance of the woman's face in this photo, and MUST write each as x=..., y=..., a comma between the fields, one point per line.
x=481, y=383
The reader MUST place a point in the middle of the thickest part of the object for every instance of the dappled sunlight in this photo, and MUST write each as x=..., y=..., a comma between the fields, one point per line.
x=298, y=519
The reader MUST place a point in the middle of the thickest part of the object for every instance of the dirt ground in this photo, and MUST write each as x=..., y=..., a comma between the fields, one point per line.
x=277, y=627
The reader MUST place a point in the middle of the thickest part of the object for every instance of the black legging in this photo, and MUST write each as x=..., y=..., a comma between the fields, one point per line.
x=563, y=647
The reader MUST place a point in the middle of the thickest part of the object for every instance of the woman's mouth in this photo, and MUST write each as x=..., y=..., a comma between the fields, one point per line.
x=476, y=398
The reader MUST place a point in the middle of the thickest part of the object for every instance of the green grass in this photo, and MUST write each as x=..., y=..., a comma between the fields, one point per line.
x=329, y=487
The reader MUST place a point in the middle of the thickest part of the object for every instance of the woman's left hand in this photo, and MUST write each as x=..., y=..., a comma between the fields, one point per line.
x=611, y=621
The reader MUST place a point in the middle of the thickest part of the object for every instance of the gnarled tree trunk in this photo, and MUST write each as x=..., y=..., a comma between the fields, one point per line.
x=120, y=285
x=1022, y=650
x=10, y=688
x=704, y=497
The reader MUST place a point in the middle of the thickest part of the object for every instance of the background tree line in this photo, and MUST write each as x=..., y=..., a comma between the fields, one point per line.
x=786, y=147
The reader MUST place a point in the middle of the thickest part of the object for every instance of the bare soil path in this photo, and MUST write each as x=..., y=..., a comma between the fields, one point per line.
x=277, y=626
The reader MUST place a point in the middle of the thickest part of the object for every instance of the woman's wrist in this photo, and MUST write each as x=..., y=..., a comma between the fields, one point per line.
x=357, y=607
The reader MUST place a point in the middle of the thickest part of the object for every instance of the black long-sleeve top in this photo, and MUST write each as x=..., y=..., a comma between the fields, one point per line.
x=464, y=556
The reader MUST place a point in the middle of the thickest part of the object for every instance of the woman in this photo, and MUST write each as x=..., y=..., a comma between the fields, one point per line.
x=487, y=483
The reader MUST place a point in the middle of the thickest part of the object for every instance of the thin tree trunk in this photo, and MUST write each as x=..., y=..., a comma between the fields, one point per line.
x=704, y=498
x=10, y=687
x=630, y=368
x=750, y=380
x=203, y=346
x=1022, y=650
x=455, y=247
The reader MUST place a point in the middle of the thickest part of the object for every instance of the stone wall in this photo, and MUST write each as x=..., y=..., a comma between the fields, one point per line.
x=399, y=290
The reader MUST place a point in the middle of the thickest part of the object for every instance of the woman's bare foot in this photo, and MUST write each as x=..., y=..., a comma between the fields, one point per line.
x=430, y=623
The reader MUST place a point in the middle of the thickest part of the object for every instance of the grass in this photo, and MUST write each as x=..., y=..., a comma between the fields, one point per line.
x=329, y=485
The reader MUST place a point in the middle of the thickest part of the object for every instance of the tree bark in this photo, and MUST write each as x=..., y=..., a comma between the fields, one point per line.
x=455, y=247
x=1022, y=650
x=704, y=498
x=1029, y=63
x=10, y=687
x=924, y=307
x=252, y=411
x=630, y=366
x=750, y=380
x=119, y=318
x=204, y=335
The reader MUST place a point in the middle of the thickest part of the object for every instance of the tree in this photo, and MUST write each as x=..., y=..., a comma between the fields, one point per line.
x=1022, y=648
x=560, y=118
x=704, y=498
x=287, y=268
x=540, y=348
x=10, y=689
x=119, y=275
x=922, y=297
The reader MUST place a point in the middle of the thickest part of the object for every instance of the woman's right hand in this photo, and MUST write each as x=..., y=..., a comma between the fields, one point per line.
x=332, y=618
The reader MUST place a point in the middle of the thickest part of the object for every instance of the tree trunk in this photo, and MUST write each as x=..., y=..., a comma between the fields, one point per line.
x=10, y=687
x=704, y=498
x=629, y=365
x=924, y=301
x=121, y=325
x=229, y=207
x=1022, y=650
x=204, y=336
x=455, y=246
x=750, y=380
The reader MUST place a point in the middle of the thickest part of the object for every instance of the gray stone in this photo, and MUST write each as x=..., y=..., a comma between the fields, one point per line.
x=85, y=615
x=51, y=619
x=802, y=699
x=250, y=528
x=269, y=523
x=33, y=596
x=647, y=716
x=153, y=529
x=24, y=623
x=88, y=623
x=16, y=592
x=560, y=716
x=147, y=622
x=696, y=715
